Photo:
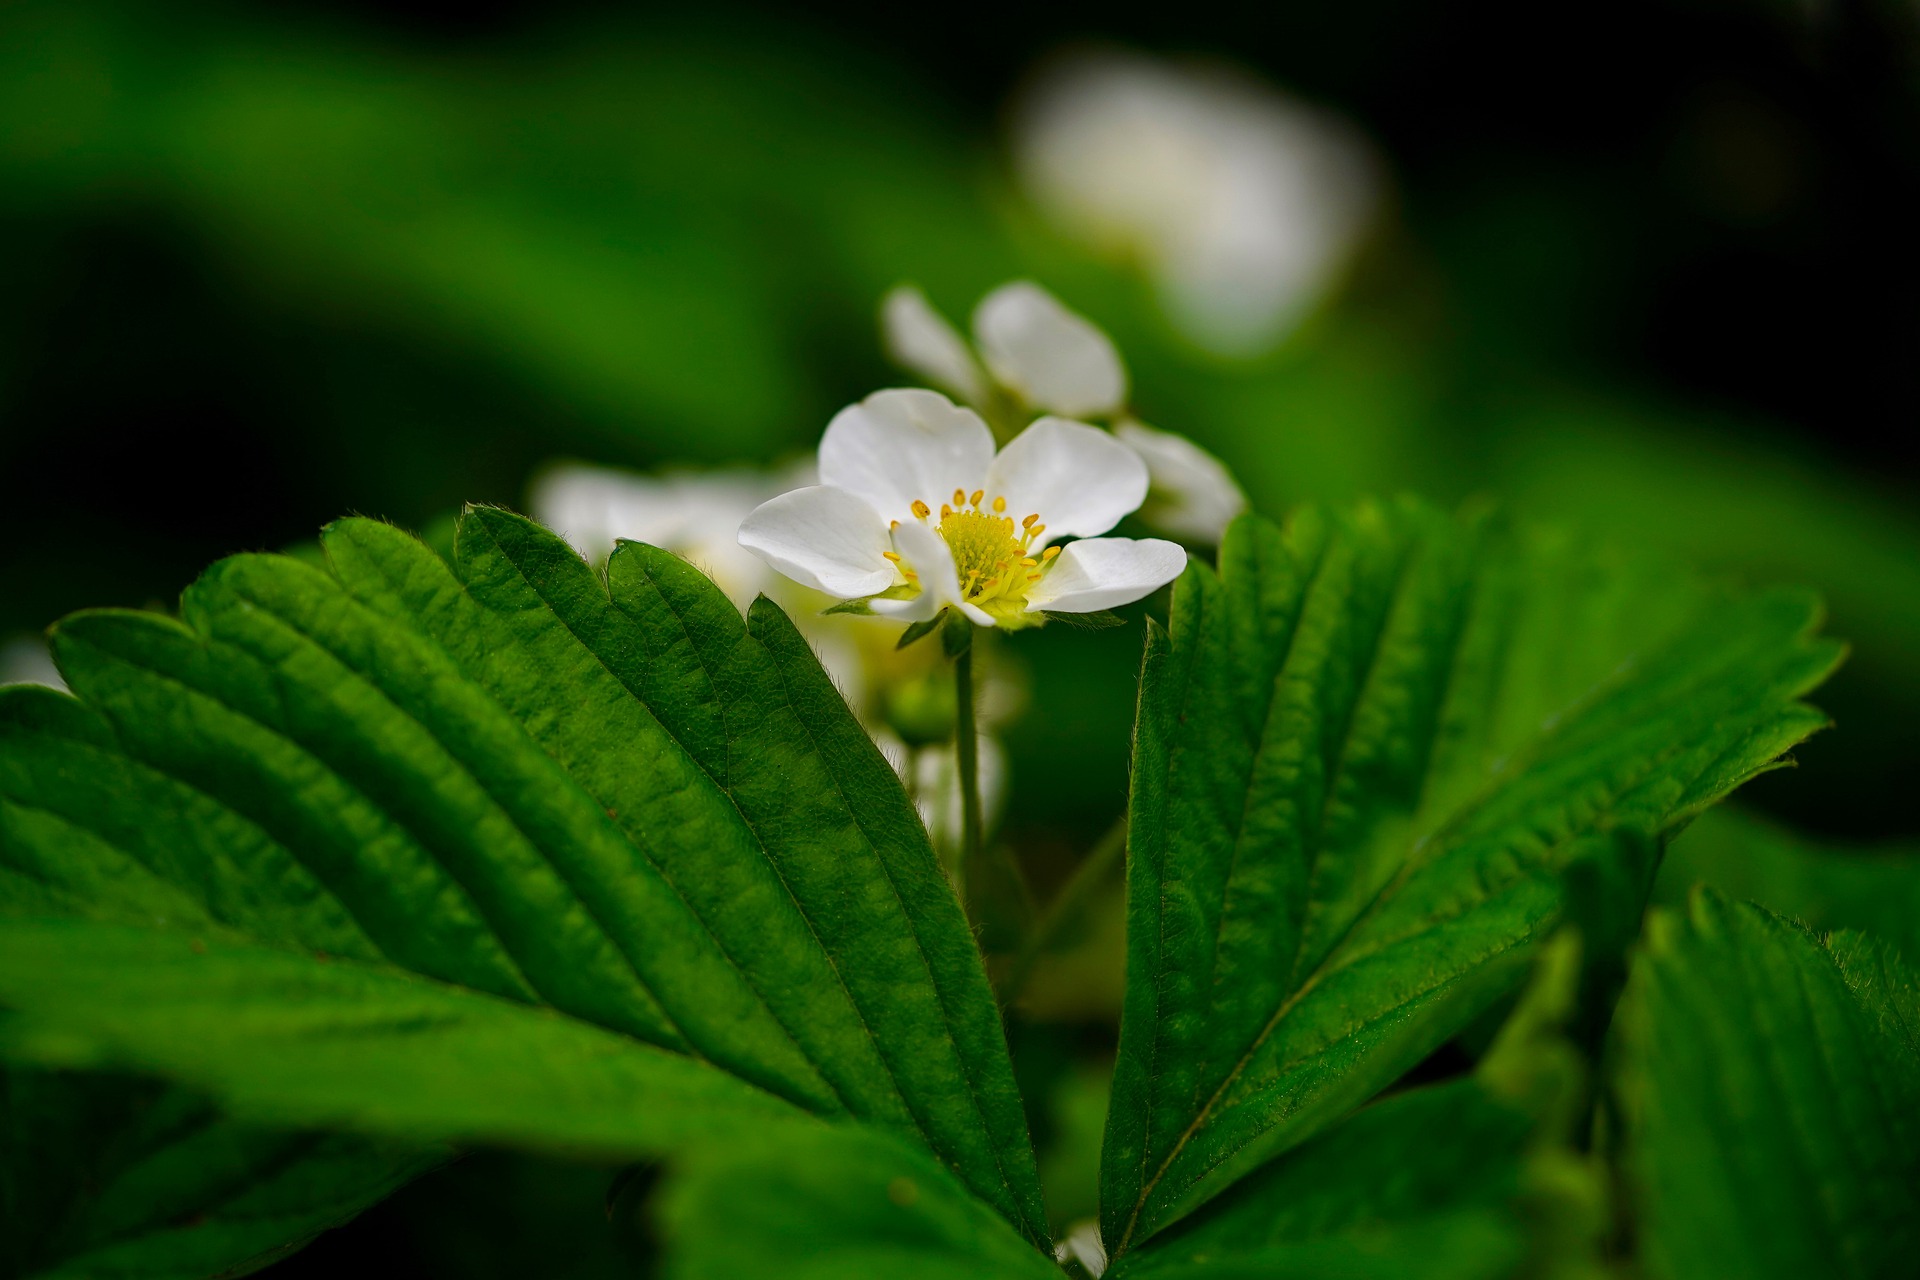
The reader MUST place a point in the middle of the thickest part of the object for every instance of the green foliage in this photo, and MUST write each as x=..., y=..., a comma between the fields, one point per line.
x=1771, y=1081
x=1822, y=884
x=831, y=1203
x=396, y=850
x=587, y=840
x=1419, y=1184
x=1365, y=750
x=104, y=1177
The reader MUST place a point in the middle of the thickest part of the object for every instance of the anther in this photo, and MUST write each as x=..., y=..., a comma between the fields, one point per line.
x=945, y=511
x=999, y=505
x=1030, y=521
x=978, y=494
x=959, y=497
x=892, y=555
x=1050, y=553
x=920, y=509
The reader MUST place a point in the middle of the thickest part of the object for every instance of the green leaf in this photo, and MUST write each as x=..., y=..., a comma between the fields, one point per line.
x=107, y=1177
x=828, y=1204
x=285, y=1038
x=110, y=1176
x=1365, y=749
x=1823, y=884
x=1771, y=1085
x=1379, y=1190
x=1098, y=620
x=615, y=801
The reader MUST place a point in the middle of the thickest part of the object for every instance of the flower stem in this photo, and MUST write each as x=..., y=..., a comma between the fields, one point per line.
x=966, y=750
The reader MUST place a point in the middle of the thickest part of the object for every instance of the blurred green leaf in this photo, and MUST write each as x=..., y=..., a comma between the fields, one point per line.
x=1823, y=884
x=118, y=1177
x=1771, y=1084
x=612, y=799
x=834, y=1204
x=101, y=1176
x=1422, y=1184
x=1366, y=748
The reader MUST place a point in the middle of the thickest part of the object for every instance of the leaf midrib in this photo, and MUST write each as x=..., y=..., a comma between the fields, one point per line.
x=706, y=930
x=859, y=1012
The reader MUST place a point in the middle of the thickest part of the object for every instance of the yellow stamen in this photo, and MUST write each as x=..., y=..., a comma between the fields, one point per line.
x=945, y=511
x=921, y=509
x=1000, y=504
x=1050, y=553
x=959, y=497
x=892, y=555
x=1030, y=521
x=978, y=494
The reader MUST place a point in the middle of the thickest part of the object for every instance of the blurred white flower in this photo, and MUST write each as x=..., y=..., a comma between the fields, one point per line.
x=1242, y=203
x=694, y=514
x=936, y=788
x=25, y=660
x=1082, y=1244
x=867, y=532
x=1052, y=359
x=919, y=338
x=1194, y=496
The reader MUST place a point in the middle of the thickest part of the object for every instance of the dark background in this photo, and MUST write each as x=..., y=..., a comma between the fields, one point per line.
x=1715, y=200
x=1646, y=267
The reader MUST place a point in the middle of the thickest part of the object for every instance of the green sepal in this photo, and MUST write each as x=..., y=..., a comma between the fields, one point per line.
x=920, y=630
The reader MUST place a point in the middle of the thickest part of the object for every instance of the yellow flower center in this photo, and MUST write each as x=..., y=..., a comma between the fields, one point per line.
x=989, y=551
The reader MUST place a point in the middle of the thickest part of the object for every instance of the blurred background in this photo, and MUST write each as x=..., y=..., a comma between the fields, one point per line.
x=1647, y=269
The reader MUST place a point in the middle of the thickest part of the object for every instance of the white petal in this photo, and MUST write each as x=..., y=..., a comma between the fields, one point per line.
x=928, y=554
x=920, y=339
x=1105, y=573
x=898, y=446
x=1057, y=360
x=824, y=538
x=1078, y=479
x=26, y=660
x=1193, y=495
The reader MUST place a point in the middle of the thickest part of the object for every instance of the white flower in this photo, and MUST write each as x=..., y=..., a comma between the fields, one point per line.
x=1082, y=1244
x=1242, y=203
x=1194, y=495
x=25, y=660
x=937, y=794
x=694, y=514
x=1053, y=359
x=869, y=531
